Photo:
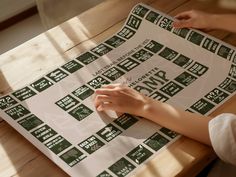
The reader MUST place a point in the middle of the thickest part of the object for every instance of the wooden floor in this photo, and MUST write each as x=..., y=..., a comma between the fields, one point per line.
x=58, y=45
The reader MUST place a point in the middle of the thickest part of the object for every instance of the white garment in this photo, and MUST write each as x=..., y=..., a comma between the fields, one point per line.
x=222, y=131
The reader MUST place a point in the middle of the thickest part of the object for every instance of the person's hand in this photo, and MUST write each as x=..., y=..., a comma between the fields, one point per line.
x=193, y=19
x=120, y=98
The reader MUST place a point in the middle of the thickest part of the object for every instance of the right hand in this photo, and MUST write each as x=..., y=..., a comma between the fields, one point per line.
x=193, y=19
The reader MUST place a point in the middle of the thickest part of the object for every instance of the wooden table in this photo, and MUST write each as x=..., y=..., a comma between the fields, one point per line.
x=36, y=57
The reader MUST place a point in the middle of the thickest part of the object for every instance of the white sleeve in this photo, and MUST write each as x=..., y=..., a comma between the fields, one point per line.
x=222, y=131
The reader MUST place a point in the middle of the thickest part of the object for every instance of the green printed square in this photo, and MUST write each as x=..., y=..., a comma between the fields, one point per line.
x=30, y=122
x=232, y=71
x=188, y=110
x=128, y=64
x=24, y=93
x=154, y=46
x=182, y=61
x=83, y=92
x=125, y=121
x=72, y=156
x=98, y=82
x=104, y=174
x=182, y=32
x=159, y=96
x=80, y=112
x=142, y=55
x=126, y=33
x=113, y=73
x=166, y=23
x=109, y=132
x=202, y=106
x=198, y=69
x=195, y=38
x=17, y=112
x=43, y=133
x=225, y=52
x=234, y=59
x=216, y=95
x=185, y=78
x=228, y=85
x=139, y=154
x=86, y=58
x=72, y=66
x=153, y=17
x=133, y=22
x=67, y=102
x=91, y=144
x=122, y=167
x=101, y=49
x=6, y=101
x=156, y=141
x=115, y=41
x=58, y=144
x=210, y=45
x=171, y=88
x=168, y=132
x=57, y=75
x=41, y=84
x=168, y=53
x=140, y=10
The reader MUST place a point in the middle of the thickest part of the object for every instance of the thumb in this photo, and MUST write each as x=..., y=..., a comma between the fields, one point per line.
x=182, y=24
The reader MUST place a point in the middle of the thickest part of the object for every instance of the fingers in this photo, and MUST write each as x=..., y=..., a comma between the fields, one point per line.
x=184, y=15
x=183, y=24
x=101, y=99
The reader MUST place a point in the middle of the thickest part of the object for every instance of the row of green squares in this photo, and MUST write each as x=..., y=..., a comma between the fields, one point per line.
x=166, y=23
x=41, y=84
x=17, y=112
x=58, y=144
x=195, y=37
x=72, y=156
x=86, y=58
x=153, y=46
x=142, y=55
x=185, y=78
x=57, y=75
x=139, y=154
x=115, y=41
x=80, y=112
x=168, y=132
x=225, y=52
x=91, y=144
x=83, y=92
x=126, y=33
x=133, y=22
x=113, y=73
x=122, y=167
x=182, y=32
x=232, y=71
x=30, y=122
x=7, y=101
x=216, y=95
x=171, y=88
x=128, y=64
x=125, y=121
x=202, y=106
x=159, y=96
x=140, y=10
x=183, y=61
x=24, y=93
x=198, y=69
x=229, y=85
x=153, y=17
x=43, y=133
x=109, y=132
x=101, y=49
x=67, y=102
x=156, y=141
x=98, y=82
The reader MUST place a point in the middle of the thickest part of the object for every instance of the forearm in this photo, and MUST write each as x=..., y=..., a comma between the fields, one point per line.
x=189, y=124
x=223, y=21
